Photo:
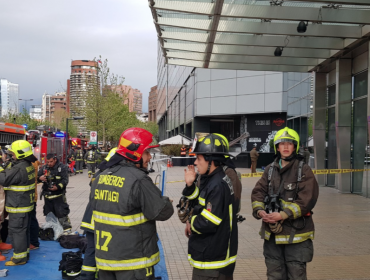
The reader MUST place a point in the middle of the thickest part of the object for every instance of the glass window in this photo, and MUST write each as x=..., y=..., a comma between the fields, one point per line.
x=331, y=95
x=360, y=84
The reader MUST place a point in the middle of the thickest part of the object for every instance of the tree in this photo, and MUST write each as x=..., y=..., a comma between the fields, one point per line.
x=21, y=118
x=106, y=107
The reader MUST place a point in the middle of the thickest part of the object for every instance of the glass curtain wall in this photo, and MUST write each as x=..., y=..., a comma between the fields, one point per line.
x=359, y=131
x=331, y=136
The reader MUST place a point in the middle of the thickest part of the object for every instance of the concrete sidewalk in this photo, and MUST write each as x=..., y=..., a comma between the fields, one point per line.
x=342, y=247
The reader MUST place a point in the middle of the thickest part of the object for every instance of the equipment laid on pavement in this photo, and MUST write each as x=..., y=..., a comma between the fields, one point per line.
x=73, y=241
x=46, y=234
x=71, y=265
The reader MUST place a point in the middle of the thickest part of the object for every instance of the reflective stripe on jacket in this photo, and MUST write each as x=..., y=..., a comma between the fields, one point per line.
x=214, y=240
x=60, y=177
x=296, y=199
x=125, y=205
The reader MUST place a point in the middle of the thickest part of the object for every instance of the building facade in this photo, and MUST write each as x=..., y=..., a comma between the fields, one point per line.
x=84, y=77
x=230, y=102
x=36, y=112
x=138, y=101
x=54, y=106
x=152, y=104
x=9, y=101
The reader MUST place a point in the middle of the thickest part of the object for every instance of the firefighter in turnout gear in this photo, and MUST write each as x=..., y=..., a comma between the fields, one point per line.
x=126, y=205
x=89, y=270
x=284, y=198
x=79, y=160
x=55, y=178
x=19, y=185
x=212, y=229
x=91, y=157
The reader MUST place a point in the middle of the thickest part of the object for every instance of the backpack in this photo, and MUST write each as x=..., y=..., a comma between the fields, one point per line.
x=71, y=265
x=73, y=241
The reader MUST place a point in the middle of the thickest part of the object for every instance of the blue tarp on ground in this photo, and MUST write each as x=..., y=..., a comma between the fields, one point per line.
x=44, y=263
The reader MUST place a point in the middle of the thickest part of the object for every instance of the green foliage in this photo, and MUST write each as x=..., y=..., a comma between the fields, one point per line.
x=106, y=110
x=271, y=143
x=172, y=150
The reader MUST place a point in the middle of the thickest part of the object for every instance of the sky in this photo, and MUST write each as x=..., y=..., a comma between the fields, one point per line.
x=39, y=38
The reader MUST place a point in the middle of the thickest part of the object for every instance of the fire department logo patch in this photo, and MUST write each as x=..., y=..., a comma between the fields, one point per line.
x=209, y=206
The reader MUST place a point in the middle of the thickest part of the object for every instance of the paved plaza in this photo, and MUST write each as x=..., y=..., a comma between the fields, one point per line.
x=342, y=240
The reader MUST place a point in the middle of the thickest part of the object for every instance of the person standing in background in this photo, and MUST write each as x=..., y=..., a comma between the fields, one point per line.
x=254, y=157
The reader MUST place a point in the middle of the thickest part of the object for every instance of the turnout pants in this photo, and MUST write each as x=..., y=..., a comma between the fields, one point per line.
x=60, y=209
x=209, y=274
x=142, y=274
x=79, y=166
x=91, y=167
x=254, y=166
x=19, y=230
x=34, y=228
x=287, y=261
x=89, y=265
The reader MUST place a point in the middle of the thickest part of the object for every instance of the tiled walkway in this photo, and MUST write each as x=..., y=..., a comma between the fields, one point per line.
x=342, y=241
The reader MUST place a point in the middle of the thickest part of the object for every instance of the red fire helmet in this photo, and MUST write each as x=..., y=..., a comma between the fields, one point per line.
x=133, y=142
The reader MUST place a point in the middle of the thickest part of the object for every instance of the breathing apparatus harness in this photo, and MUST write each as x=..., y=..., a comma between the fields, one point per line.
x=273, y=204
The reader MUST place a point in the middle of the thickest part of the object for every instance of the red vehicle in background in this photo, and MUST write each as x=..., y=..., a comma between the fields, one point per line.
x=47, y=140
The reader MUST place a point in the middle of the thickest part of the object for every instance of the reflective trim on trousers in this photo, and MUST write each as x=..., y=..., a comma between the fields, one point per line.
x=89, y=268
x=211, y=217
x=211, y=265
x=127, y=264
x=118, y=220
x=72, y=273
x=19, y=209
x=53, y=196
x=20, y=188
x=194, y=195
x=20, y=255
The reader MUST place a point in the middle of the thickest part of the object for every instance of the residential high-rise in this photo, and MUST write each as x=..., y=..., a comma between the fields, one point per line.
x=9, y=101
x=152, y=104
x=138, y=101
x=36, y=112
x=84, y=76
x=54, y=106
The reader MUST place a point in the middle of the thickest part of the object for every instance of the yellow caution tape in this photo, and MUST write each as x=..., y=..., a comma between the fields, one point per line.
x=317, y=172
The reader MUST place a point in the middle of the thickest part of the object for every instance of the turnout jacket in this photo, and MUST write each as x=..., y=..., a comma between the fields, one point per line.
x=79, y=154
x=213, y=242
x=91, y=156
x=59, y=177
x=297, y=200
x=125, y=205
x=19, y=185
x=87, y=223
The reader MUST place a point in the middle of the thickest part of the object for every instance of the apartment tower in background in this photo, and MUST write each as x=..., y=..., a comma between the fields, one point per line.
x=36, y=112
x=84, y=76
x=54, y=106
x=138, y=101
x=9, y=101
x=152, y=104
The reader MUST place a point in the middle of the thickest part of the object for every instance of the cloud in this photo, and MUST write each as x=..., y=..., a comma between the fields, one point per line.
x=39, y=38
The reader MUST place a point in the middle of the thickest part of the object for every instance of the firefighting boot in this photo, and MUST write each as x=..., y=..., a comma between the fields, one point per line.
x=5, y=246
x=11, y=263
x=89, y=175
x=2, y=258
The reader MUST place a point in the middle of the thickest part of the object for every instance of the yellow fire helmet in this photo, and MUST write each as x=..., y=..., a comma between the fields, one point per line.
x=110, y=154
x=286, y=135
x=21, y=149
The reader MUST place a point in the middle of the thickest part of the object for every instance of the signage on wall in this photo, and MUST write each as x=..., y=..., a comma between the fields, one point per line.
x=262, y=122
x=255, y=139
x=278, y=122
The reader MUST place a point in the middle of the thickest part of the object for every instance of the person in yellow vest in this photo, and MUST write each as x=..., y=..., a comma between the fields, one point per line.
x=191, y=154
